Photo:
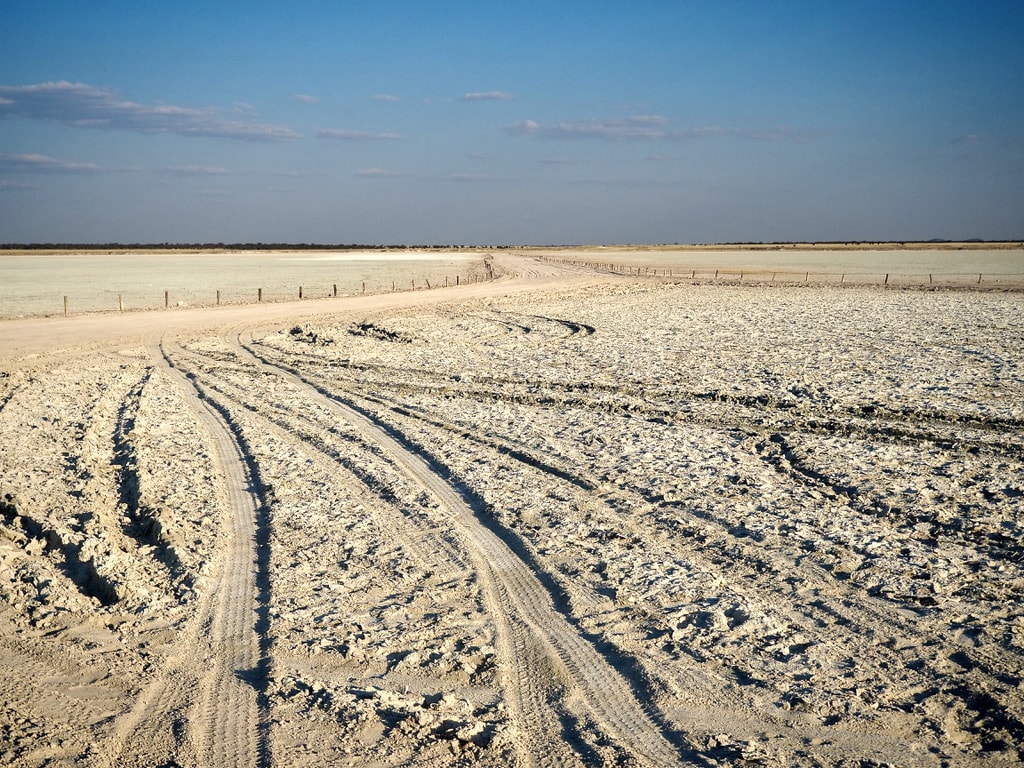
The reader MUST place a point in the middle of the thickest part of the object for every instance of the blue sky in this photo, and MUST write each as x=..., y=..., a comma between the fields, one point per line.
x=511, y=123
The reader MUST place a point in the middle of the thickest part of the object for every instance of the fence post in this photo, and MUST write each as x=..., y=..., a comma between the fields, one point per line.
x=335, y=290
x=167, y=299
x=456, y=280
x=886, y=279
x=259, y=295
x=120, y=302
x=65, y=306
x=979, y=279
x=300, y=291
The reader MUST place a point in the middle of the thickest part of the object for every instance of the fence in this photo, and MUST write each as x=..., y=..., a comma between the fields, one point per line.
x=705, y=274
x=137, y=300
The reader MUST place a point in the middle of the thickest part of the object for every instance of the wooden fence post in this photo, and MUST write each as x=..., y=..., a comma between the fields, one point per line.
x=259, y=295
x=65, y=306
x=886, y=279
x=120, y=302
x=218, y=298
x=335, y=292
x=300, y=291
x=167, y=299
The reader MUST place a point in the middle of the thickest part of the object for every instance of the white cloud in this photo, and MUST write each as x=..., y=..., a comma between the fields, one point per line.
x=640, y=127
x=33, y=163
x=379, y=173
x=335, y=133
x=759, y=134
x=386, y=97
x=81, y=105
x=487, y=96
x=647, y=127
x=524, y=128
x=561, y=161
x=198, y=170
x=304, y=98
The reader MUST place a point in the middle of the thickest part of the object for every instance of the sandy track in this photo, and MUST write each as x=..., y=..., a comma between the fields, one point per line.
x=203, y=704
x=231, y=725
x=536, y=637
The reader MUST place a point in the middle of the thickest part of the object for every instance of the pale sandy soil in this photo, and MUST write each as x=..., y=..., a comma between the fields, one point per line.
x=556, y=519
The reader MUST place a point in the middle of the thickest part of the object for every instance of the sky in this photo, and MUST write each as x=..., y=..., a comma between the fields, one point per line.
x=510, y=123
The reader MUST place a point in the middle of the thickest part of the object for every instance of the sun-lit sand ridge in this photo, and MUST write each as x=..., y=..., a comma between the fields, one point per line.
x=565, y=517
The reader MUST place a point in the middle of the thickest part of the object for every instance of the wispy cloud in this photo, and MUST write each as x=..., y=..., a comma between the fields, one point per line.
x=379, y=173
x=32, y=163
x=86, y=106
x=759, y=134
x=640, y=127
x=386, y=97
x=451, y=178
x=470, y=178
x=305, y=98
x=647, y=128
x=487, y=96
x=197, y=170
x=335, y=133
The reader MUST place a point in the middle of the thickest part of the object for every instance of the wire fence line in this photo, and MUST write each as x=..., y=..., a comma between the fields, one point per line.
x=110, y=300
x=704, y=274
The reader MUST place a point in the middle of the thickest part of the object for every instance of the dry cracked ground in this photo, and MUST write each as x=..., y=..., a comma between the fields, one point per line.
x=636, y=523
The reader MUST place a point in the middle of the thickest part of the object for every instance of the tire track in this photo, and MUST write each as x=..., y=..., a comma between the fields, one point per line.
x=861, y=615
x=207, y=704
x=535, y=681
x=419, y=536
x=233, y=722
x=516, y=591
